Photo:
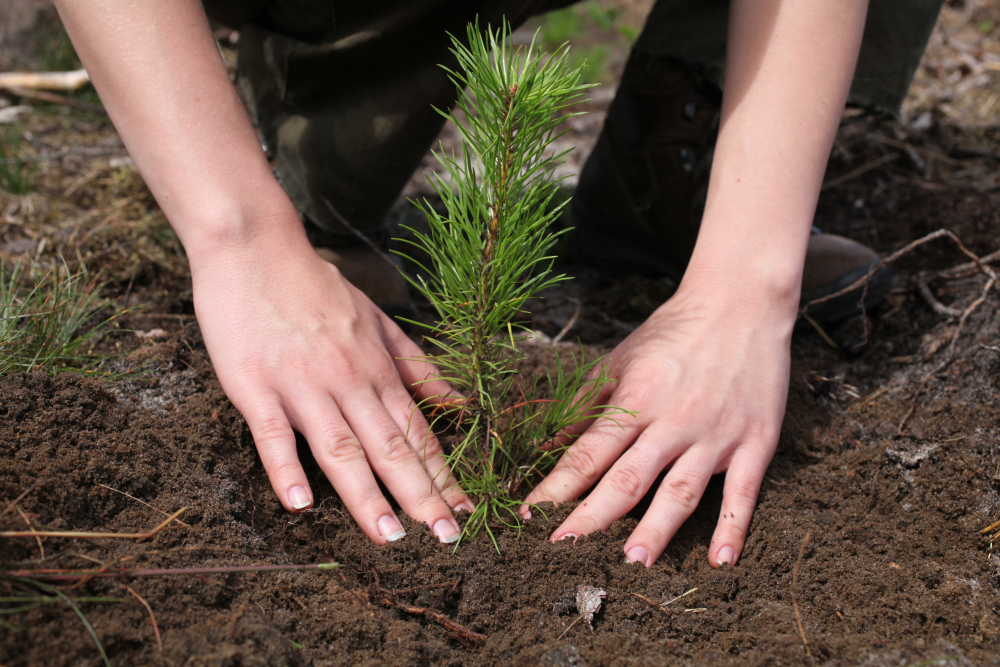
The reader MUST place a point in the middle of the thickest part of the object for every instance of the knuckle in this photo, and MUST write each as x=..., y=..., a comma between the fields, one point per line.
x=682, y=491
x=581, y=462
x=272, y=429
x=396, y=450
x=628, y=481
x=735, y=532
x=284, y=470
x=744, y=493
x=341, y=447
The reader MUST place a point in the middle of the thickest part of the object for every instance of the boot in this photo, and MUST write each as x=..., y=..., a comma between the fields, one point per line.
x=639, y=202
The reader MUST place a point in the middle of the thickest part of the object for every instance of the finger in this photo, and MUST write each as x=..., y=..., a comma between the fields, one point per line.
x=397, y=464
x=621, y=488
x=586, y=460
x=675, y=500
x=339, y=453
x=418, y=375
x=739, y=497
x=275, y=442
x=421, y=438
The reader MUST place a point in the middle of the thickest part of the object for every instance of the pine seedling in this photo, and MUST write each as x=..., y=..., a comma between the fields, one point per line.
x=488, y=255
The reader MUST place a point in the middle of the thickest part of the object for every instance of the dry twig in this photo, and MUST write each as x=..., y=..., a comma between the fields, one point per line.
x=45, y=80
x=452, y=629
x=62, y=100
x=795, y=581
x=976, y=261
x=936, y=306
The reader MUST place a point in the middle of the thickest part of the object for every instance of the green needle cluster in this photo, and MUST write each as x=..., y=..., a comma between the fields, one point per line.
x=488, y=255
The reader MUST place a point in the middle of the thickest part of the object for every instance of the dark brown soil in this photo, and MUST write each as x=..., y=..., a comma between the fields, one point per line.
x=895, y=570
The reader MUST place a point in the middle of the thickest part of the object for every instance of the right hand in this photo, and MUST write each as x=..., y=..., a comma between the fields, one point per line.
x=296, y=346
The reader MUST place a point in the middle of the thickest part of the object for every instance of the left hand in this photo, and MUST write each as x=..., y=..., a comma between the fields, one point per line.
x=707, y=376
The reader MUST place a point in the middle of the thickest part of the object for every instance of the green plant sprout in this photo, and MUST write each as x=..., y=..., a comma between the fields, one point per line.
x=488, y=255
x=50, y=327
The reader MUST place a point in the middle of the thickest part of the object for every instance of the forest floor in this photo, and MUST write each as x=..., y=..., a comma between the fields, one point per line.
x=869, y=521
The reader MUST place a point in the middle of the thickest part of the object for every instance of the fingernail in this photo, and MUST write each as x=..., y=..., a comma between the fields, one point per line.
x=390, y=528
x=563, y=537
x=526, y=515
x=299, y=497
x=464, y=507
x=636, y=555
x=726, y=556
x=447, y=531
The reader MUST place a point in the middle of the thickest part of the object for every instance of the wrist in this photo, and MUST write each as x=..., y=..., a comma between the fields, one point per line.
x=242, y=225
x=762, y=287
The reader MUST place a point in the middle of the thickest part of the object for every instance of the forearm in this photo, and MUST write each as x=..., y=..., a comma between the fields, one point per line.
x=788, y=72
x=159, y=74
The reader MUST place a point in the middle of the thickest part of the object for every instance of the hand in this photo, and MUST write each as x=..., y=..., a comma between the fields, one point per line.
x=708, y=378
x=296, y=346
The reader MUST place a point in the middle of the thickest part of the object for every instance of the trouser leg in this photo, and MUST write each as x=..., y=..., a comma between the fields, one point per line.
x=347, y=105
x=896, y=34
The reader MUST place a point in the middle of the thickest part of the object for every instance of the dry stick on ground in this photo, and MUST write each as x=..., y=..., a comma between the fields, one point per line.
x=76, y=534
x=977, y=262
x=58, y=99
x=72, y=80
x=453, y=629
x=152, y=616
x=949, y=356
x=795, y=581
x=936, y=306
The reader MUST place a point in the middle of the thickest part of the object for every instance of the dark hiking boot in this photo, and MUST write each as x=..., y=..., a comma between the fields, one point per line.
x=638, y=206
x=834, y=263
x=376, y=275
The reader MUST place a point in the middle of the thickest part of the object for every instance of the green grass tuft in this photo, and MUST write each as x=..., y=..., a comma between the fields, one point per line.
x=53, y=325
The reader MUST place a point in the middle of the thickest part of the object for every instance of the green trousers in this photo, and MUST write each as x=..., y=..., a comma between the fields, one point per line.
x=343, y=90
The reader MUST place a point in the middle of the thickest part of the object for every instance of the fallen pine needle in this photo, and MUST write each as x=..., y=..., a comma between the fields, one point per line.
x=127, y=495
x=795, y=580
x=64, y=575
x=152, y=617
x=571, y=626
x=679, y=597
x=989, y=528
x=78, y=534
x=41, y=548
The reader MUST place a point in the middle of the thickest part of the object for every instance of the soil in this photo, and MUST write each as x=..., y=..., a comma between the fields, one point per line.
x=869, y=519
